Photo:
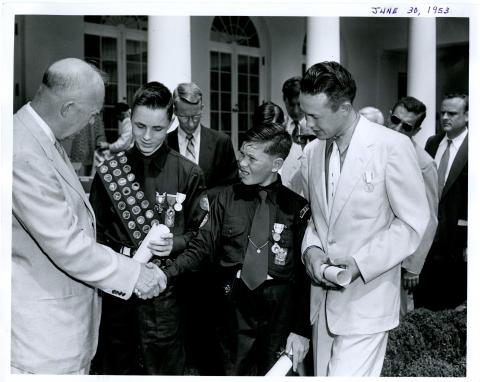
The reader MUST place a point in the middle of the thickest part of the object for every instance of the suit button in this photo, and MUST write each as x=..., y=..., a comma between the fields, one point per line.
x=331, y=242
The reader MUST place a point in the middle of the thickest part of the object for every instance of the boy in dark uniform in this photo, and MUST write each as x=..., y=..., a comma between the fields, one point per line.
x=175, y=187
x=253, y=235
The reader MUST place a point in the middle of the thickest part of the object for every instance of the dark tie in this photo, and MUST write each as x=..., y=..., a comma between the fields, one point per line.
x=296, y=132
x=255, y=264
x=442, y=168
x=61, y=150
x=190, y=148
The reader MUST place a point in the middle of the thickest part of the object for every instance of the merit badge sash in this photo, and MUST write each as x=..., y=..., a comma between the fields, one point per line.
x=135, y=211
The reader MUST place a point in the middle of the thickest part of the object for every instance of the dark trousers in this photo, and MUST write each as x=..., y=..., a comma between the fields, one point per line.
x=141, y=337
x=443, y=285
x=260, y=324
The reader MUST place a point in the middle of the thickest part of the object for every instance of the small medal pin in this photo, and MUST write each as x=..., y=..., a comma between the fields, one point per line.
x=179, y=199
x=368, y=178
x=281, y=256
x=277, y=231
x=275, y=248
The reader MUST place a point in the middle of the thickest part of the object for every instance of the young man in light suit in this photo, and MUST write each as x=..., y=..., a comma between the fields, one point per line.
x=369, y=212
x=56, y=263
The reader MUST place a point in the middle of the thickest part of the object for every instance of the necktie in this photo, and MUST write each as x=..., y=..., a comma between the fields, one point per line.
x=442, y=168
x=296, y=132
x=333, y=174
x=255, y=263
x=61, y=151
x=190, y=148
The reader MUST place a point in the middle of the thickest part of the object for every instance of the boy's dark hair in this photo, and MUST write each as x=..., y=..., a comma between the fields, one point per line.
x=291, y=87
x=279, y=141
x=121, y=107
x=154, y=95
x=331, y=78
x=268, y=112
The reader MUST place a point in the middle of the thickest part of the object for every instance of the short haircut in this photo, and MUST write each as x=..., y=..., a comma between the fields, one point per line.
x=187, y=92
x=458, y=95
x=121, y=107
x=332, y=79
x=413, y=105
x=268, y=112
x=372, y=114
x=66, y=82
x=291, y=87
x=154, y=95
x=278, y=140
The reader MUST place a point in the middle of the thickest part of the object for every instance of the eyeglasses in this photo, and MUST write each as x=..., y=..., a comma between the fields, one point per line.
x=185, y=118
x=405, y=126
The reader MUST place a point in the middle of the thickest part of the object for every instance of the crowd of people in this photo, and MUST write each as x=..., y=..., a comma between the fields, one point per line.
x=242, y=275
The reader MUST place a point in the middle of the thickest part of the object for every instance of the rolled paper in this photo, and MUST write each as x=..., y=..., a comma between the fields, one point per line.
x=336, y=275
x=143, y=254
x=281, y=367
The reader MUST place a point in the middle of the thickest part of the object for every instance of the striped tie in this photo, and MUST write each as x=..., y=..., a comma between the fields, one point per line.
x=190, y=148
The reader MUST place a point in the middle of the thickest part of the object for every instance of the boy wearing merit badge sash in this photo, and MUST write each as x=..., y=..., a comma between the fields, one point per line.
x=148, y=184
x=253, y=236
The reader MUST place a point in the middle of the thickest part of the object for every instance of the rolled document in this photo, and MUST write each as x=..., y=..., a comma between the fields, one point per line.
x=143, y=254
x=336, y=275
x=281, y=367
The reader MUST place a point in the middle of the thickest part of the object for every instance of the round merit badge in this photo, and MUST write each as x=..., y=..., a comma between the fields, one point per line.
x=139, y=195
x=146, y=228
x=178, y=207
x=112, y=186
x=122, y=182
x=121, y=205
x=135, y=186
x=145, y=203
x=141, y=220
x=136, y=210
x=131, y=177
x=117, y=172
x=127, y=168
x=123, y=159
x=131, y=200
x=149, y=214
x=126, y=191
x=113, y=163
x=126, y=215
x=117, y=195
x=131, y=225
x=137, y=234
x=103, y=169
x=107, y=177
x=155, y=221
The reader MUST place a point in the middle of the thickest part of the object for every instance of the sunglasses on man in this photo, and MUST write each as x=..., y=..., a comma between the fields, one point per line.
x=405, y=126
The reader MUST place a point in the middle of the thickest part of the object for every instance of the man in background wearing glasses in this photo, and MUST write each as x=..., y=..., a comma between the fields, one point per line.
x=406, y=117
x=213, y=151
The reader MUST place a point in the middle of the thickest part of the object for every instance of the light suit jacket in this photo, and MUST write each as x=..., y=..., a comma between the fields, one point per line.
x=379, y=214
x=56, y=263
x=414, y=263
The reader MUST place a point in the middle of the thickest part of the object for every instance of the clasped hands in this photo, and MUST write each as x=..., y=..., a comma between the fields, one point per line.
x=315, y=258
x=152, y=280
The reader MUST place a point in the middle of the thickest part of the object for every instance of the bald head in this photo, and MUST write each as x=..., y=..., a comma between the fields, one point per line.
x=70, y=96
x=372, y=114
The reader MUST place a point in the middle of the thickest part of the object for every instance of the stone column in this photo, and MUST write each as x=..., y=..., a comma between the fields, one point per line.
x=323, y=39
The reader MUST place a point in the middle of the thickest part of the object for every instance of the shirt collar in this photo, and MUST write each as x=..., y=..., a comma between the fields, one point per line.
x=343, y=140
x=158, y=158
x=251, y=191
x=43, y=125
x=196, y=133
x=457, y=141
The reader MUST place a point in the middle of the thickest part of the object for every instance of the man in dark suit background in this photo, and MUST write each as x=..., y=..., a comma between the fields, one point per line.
x=210, y=149
x=213, y=152
x=443, y=281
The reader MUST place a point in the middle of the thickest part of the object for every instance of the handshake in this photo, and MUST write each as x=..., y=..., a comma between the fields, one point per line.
x=151, y=281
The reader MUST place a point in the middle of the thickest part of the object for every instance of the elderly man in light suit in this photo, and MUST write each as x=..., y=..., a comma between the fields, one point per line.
x=56, y=263
x=369, y=212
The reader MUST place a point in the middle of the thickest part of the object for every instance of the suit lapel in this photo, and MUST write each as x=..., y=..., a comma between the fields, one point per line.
x=65, y=169
x=206, y=148
x=317, y=173
x=358, y=155
x=457, y=166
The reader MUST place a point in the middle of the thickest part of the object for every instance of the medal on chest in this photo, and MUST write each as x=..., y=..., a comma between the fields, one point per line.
x=280, y=253
x=170, y=203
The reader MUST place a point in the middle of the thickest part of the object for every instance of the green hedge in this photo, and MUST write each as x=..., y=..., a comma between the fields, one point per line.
x=428, y=344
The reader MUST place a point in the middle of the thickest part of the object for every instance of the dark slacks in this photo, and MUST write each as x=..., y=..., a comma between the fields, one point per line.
x=141, y=337
x=261, y=321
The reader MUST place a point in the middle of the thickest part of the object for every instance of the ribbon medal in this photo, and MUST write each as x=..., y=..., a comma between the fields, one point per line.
x=368, y=178
x=179, y=199
x=160, y=198
x=277, y=231
x=281, y=256
x=170, y=212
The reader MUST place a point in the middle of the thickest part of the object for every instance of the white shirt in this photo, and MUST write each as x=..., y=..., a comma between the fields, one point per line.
x=183, y=142
x=454, y=147
x=46, y=129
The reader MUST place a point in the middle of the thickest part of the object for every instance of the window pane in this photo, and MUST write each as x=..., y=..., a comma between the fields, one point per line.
x=214, y=65
x=226, y=102
x=226, y=62
x=214, y=101
x=226, y=123
x=144, y=73
x=133, y=74
x=242, y=122
x=111, y=94
x=253, y=103
x=242, y=102
x=254, y=84
x=214, y=120
x=133, y=50
x=243, y=83
x=109, y=49
x=131, y=89
x=110, y=67
x=214, y=85
x=242, y=64
x=254, y=65
x=226, y=82
x=92, y=46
